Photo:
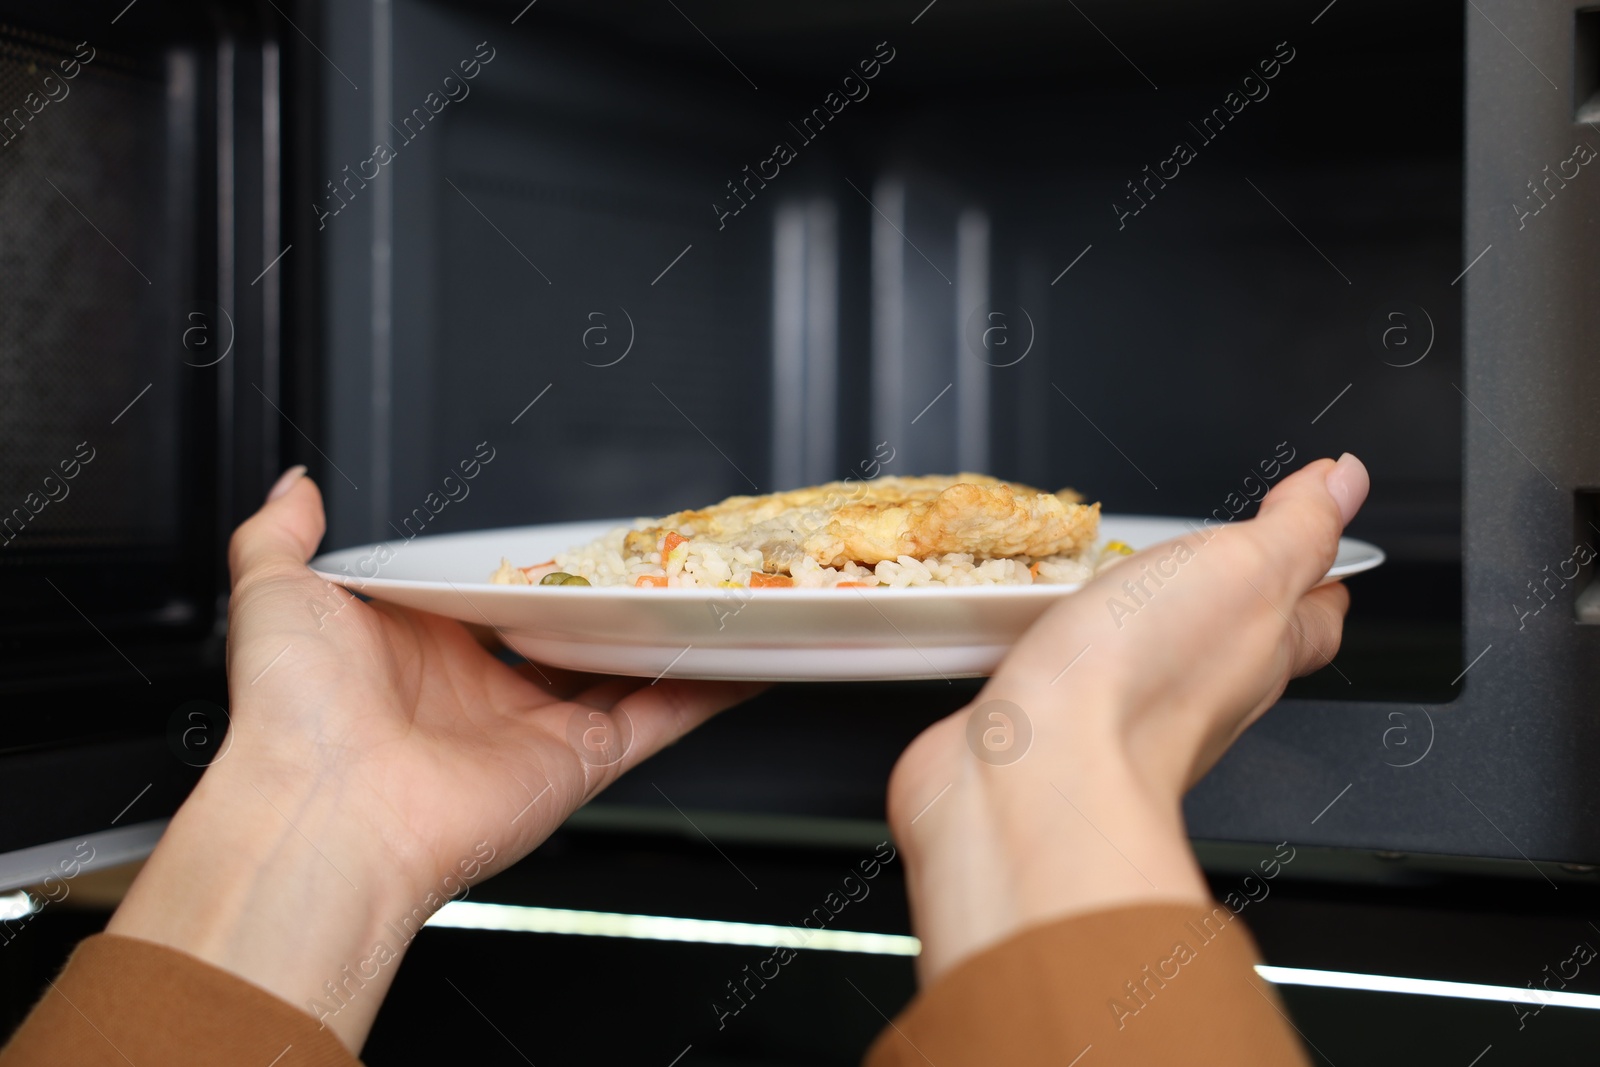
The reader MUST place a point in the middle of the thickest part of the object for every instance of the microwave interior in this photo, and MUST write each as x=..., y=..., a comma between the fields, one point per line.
x=717, y=258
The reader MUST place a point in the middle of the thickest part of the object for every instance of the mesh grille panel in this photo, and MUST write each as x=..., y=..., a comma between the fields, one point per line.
x=86, y=302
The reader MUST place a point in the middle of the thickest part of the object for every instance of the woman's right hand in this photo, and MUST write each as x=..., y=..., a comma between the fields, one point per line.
x=386, y=763
x=1132, y=689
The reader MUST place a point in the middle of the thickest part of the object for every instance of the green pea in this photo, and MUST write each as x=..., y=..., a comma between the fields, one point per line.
x=573, y=579
x=559, y=578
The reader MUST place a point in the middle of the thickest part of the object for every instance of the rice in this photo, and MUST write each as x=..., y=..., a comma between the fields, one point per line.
x=704, y=564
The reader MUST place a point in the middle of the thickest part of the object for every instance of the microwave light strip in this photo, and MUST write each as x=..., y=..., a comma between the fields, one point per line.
x=1428, y=987
x=16, y=905
x=517, y=918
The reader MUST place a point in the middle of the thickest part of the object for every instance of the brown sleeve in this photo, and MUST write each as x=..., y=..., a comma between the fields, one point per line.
x=1136, y=985
x=121, y=1000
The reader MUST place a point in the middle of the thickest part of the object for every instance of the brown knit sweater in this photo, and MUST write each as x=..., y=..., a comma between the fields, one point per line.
x=1138, y=985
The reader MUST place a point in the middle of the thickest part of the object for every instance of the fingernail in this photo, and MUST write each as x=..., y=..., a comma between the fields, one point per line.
x=285, y=481
x=1348, y=484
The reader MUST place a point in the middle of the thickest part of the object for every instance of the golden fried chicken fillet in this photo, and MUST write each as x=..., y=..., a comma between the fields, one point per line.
x=867, y=522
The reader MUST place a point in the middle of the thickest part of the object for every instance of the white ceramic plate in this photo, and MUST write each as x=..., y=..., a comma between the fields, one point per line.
x=769, y=634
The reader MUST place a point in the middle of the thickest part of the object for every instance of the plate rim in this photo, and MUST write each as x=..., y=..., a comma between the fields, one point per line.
x=1374, y=557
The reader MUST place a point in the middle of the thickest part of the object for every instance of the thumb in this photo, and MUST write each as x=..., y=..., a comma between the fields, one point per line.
x=284, y=534
x=1300, y=521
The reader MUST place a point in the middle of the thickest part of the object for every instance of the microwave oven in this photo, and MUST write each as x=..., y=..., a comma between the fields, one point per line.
x=656, y=255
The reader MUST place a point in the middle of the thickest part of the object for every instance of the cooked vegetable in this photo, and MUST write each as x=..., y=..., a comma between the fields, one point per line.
x=770, y=581
x=647, y=581
x=563, y=578
x=532, y=575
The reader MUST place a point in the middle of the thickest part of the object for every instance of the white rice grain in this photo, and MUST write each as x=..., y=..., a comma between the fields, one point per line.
x=702, y=564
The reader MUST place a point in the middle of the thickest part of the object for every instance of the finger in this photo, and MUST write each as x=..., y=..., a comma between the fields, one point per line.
x=1314, y=631
x=559, y=682
x=662, y=712
x=1317, y=627
x=604, y=692
x=284, y=533
x=1302, y=518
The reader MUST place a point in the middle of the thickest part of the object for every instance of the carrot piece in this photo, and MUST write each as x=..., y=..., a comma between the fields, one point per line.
x=1034, y=570
x=536, y=566
x=649, y=581
x=852, y=585
x=770, y=581
x=671, y=541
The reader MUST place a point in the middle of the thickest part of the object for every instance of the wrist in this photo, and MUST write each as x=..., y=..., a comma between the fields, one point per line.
x=266, y=880
x=1067, y=829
